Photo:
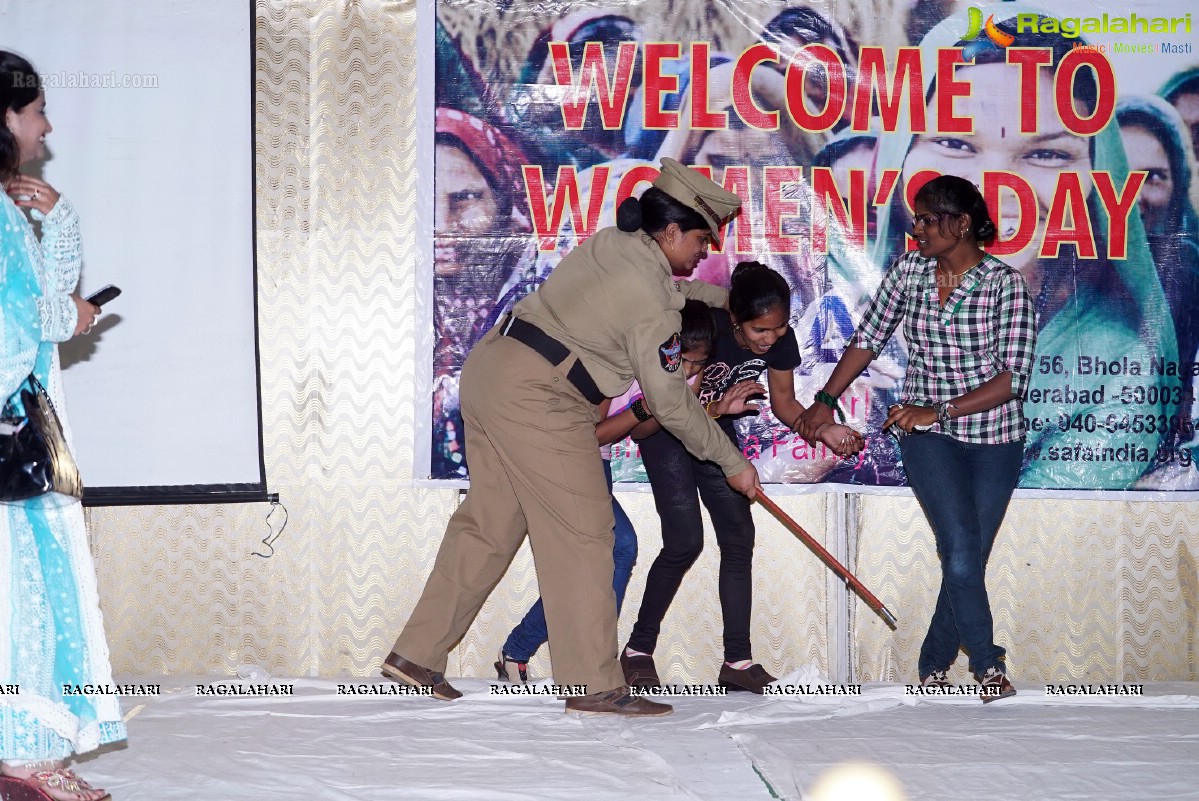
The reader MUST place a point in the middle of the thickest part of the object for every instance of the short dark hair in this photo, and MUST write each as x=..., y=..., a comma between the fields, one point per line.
x=949, y=194
x=756, y=290
x=19, y=86
x=809, y=26
x=1187, y=86
x=699, y=328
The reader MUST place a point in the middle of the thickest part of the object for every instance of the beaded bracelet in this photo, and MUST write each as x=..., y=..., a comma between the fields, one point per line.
x=639, y=411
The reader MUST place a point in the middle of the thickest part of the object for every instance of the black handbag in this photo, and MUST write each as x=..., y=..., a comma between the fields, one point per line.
x=34, y=457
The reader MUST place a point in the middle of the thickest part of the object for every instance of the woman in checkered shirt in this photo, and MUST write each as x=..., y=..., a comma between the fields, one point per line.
x=971, y=330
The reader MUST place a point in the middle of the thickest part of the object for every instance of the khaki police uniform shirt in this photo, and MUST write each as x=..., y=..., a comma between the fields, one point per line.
x=613, y=302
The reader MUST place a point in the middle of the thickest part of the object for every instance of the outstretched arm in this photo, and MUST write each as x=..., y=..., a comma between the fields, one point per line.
x=843, y=440
x=849, y=367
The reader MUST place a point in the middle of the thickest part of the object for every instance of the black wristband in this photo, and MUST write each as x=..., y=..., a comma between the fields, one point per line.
x=639, y=411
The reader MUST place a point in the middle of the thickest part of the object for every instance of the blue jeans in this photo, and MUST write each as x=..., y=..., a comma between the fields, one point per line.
x=531, y=632
x=964, y=489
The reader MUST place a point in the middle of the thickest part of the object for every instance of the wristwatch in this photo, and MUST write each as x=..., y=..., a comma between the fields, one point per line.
x=942, y=409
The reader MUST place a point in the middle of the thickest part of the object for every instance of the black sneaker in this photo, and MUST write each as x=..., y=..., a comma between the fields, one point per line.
x=508, y=669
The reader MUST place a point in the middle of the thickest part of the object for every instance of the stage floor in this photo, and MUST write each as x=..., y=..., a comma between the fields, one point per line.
x=318, y=744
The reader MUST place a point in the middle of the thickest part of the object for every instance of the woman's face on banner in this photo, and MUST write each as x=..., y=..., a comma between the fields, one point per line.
x=861, y=158
x=1187, y=104
x=1145, y=152
x=739, y=145
x=998, y=146
x=465, y=208
x=736, y=146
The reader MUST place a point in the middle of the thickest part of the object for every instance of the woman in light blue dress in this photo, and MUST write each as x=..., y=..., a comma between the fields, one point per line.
x=53, y=634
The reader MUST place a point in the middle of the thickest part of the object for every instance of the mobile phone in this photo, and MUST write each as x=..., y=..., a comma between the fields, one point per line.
x=104, y=295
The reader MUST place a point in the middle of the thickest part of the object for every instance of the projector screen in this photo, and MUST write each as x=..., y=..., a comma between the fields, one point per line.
x=151, y=103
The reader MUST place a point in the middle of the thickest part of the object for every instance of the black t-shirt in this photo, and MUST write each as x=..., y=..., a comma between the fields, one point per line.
x=730, y=363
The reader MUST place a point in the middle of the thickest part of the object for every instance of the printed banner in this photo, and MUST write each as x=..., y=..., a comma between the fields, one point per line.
x=1079, y=127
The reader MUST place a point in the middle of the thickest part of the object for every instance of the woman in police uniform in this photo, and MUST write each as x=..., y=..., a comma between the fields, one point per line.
x=608, y=314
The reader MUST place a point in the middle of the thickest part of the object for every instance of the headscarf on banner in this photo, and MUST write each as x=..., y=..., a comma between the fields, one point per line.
x=457, y=84
x=1110, y=310
x=479, y=274
x=795, y=27
x=1184, y=82
x=1174, y=239
x=1172, y=227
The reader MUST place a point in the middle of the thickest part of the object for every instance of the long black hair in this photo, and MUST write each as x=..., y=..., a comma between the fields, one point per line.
x=756, y=290
x=654, y=212
x=19, y=86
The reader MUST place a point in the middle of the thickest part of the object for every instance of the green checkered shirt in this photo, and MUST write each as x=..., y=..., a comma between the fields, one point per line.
x=987, y=326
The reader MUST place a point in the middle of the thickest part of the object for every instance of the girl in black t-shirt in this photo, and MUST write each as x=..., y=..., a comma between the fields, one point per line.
x=752, y=337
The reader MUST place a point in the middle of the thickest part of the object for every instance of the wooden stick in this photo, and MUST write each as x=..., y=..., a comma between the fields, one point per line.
x=828, y=559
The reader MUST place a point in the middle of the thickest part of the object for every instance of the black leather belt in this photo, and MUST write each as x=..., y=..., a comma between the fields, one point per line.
x=555, y=353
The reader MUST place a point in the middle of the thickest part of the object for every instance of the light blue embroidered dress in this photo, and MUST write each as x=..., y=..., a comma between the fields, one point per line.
x=51, y=632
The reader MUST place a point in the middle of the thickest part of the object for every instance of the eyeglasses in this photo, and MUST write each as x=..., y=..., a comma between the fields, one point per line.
x=926, y=220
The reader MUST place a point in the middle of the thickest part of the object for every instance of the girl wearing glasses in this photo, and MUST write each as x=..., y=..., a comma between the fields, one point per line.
x=1101, y=308
x=971, y=330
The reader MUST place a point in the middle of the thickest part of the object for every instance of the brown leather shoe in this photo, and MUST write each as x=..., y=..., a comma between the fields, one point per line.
x=617, y=702
x=639, y=671
x=398, y=668
x=752, y=680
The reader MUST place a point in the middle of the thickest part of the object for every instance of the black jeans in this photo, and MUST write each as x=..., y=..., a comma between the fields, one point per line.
x=679, y=480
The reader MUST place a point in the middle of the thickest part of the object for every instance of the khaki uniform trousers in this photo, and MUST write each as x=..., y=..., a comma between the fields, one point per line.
x=535, y=467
